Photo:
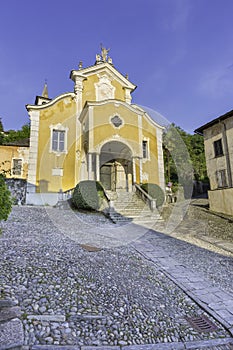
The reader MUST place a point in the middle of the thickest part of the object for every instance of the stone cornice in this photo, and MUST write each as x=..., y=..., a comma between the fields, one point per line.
x=49, y=104
x=103, y=67
x=133, y=108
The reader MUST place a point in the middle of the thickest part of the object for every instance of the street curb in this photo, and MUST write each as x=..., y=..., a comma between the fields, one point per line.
x=200, y=344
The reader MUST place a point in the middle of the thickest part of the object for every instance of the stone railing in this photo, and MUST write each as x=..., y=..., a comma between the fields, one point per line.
x=64, y=196
x=151, y=202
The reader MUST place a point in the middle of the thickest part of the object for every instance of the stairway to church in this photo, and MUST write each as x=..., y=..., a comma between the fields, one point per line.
x=128, y=207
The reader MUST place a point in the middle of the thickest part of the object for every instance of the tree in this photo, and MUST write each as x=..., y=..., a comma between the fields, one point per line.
x=5, y=200
x=1, y=132
x=15, y=135
x=184, y=156
x=1, y=126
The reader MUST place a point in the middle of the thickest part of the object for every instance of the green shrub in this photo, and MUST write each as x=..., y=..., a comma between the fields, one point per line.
x=5, y=200
x=88, y=195
x=155, y=191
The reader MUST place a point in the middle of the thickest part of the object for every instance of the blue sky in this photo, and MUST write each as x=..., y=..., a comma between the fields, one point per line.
x=179, y=53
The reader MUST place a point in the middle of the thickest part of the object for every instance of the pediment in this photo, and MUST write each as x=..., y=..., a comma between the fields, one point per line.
x=103, y=68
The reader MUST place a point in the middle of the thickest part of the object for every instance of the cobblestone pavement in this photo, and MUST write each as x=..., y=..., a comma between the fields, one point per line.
x=73, y=296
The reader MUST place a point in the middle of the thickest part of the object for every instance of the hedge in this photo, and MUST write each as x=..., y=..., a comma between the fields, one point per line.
x=5, y=199
x=88, y=195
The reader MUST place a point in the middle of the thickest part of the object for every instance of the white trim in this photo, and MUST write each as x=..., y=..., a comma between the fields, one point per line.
x=97, y=167
x=140, y=132
x=91, y=129
x=147, y=116
x=128, y=97
x=33, y=150
x=147, y=139
x=111, y=123
x=104, y=90
x=133, y=108
x=57, y=172
x=112, y=139
x=103, y=67
x=58, y=127
x=12, y=167
x=33, y=107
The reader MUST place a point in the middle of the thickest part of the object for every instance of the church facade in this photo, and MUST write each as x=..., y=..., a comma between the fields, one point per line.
x=95, y=133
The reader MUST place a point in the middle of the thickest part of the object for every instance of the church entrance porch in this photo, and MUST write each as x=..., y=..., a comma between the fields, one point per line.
x=116, y=166
x=114, y=176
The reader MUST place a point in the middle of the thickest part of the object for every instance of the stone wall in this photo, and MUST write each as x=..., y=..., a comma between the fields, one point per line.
x=221, y=201
x=17, y=188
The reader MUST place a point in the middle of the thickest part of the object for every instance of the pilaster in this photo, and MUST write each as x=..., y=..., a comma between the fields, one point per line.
x=33, y=151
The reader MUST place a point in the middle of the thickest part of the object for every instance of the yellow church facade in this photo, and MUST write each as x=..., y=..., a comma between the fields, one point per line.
x=95, y=133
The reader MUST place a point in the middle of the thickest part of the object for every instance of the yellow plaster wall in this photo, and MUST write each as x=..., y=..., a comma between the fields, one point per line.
x=89, y=89
x=7, y=153
x=61, y=112
x=151, y=166
x=103, y=129
x=119, y=92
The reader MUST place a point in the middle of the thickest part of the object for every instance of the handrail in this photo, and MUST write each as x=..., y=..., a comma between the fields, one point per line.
x=64, y=196
x=106, y=196
x=151, y=202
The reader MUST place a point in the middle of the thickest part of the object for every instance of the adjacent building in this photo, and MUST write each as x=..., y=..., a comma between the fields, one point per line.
x=218, y=139
x=95, y=133
x=14, y=159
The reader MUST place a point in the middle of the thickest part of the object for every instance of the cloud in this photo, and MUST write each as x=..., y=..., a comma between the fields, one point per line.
x=217, y=82
x=180, y=15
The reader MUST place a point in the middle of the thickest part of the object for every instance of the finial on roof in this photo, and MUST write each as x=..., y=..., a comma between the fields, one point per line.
x=103, y=56
x=104, y=53
x=45, y=90
x=80, y=65
x=127, y=76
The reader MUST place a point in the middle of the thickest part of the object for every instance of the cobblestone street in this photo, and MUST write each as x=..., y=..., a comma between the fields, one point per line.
x=76, y=293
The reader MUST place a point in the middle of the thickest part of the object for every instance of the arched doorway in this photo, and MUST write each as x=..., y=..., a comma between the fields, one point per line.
x=116, y=166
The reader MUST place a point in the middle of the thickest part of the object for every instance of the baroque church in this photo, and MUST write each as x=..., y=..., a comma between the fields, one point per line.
x=92, y=133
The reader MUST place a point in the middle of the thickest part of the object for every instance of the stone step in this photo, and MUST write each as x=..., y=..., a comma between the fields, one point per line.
x=127, y=206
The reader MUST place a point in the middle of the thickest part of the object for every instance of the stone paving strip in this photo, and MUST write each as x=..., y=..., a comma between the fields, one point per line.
x=111, y=298
x=185, y=265
x=213, y=344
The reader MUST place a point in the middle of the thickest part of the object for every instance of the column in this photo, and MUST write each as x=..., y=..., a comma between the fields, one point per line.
x=140, y=170
x=97, y=164
x=89, y=166
x=134, y=170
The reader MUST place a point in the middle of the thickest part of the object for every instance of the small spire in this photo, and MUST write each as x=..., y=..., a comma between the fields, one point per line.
x=45, y=90
x=127, y=76
x=80, y=65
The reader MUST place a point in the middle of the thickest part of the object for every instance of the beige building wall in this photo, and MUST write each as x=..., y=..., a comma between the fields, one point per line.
x=220, y=166
x=221, y=201
x=220, y=131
